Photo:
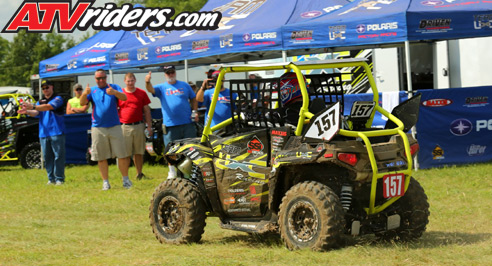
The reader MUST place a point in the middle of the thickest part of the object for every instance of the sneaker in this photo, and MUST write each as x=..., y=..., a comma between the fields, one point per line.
x=59, y=183
x=106, y=186
x=140, y=176
x=50, y=183
x=127, y=183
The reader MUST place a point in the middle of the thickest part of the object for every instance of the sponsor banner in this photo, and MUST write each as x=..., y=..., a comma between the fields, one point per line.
x=455, y=126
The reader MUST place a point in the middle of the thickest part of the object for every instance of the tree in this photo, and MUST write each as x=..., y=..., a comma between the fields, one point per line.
x=4, y=48
x=24, y=54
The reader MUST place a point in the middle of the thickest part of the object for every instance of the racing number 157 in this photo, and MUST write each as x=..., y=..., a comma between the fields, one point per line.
x=325, y=123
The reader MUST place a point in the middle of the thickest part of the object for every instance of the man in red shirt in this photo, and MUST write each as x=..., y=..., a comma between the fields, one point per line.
x=135, y=117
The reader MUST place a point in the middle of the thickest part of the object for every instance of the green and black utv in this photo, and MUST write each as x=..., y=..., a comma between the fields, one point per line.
x=313, y=181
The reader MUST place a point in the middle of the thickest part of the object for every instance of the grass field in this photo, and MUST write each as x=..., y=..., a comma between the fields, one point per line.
x=78, y=224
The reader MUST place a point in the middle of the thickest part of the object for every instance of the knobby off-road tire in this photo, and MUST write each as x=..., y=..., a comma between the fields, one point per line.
x=30, y=156
x=177, y=212
x=311, y=217
x=414, y=214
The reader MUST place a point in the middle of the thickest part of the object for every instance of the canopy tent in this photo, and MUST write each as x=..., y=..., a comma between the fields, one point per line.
x=249, y=30
x=85, y=57
x=380, y=22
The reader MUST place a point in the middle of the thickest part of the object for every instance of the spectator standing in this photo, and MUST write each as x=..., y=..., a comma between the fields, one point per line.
x=176, y=97
x=135, y=118
x=223, y=107
x=107, y=137
x=51, y=131
x=73, y=105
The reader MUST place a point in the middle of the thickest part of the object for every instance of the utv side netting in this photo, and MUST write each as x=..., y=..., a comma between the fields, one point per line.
x=262, y=108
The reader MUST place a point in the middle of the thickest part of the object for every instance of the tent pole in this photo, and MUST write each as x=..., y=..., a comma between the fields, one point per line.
x=284, y=56
x=111, y=79
x=409, y=70
x=186, y=70
x=410, y=93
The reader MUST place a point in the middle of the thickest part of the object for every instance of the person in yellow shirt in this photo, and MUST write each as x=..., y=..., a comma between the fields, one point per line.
x=73, y=105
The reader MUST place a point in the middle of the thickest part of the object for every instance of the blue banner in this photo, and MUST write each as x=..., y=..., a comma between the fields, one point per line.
x=455, y=126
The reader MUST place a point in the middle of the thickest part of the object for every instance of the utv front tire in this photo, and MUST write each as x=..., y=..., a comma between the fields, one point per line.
x=311, y=217
x=30, y=156
x=177, y=212
x=413, y=209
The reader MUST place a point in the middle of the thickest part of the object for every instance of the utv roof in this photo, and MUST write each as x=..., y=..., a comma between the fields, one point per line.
x=298, y=63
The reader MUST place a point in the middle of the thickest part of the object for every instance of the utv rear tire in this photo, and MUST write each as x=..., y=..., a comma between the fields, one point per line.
x=30, y=156
x=311, y=216
x=177, y=212
x=413, y=209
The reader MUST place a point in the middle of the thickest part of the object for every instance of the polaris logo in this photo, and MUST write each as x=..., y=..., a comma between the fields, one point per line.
x=263, y=36
x=170, y=48
x=382, y=26
x=484, y=124
x=462, y=126
x=436, y=102
x=95, y=60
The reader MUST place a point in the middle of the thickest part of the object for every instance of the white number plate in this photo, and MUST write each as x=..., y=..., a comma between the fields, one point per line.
x=362, y=109
x=325, y=125
x=393, y=185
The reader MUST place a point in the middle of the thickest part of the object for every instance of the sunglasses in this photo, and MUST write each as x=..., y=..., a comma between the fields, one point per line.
x=101, y=78
x=171, y=72
x=45, y=87
x=79, y=89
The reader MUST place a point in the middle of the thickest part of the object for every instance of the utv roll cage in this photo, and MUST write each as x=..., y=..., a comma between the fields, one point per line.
x=325, y=87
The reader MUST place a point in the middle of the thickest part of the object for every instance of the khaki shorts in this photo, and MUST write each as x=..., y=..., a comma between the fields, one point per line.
x=108, y=142
x=134, y=136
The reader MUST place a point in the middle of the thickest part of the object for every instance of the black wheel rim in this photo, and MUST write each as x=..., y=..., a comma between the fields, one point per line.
x=33, y=159
x=303, y=221
x=169, y=215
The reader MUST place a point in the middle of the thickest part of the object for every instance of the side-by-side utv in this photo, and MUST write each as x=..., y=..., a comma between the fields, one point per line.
x=312, y=179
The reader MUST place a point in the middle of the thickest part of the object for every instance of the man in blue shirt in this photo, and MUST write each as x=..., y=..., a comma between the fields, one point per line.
x=178, y=116
x=223, y=107
x=51, y=131
x=106, y=133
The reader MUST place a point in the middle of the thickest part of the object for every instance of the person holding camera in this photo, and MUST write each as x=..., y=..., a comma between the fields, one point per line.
x=223, y=107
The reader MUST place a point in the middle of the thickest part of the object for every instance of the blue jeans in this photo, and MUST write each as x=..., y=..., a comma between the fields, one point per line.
x=179, y=132
x=54, y=157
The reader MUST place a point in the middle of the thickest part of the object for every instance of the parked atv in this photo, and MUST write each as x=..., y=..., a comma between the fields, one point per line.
x=19, y=140
x=313, y=180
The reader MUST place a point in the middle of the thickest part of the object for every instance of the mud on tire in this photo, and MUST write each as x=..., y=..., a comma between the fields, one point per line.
x=30, y=156
x=311, y=217
x=413, y=209
x=177, y=212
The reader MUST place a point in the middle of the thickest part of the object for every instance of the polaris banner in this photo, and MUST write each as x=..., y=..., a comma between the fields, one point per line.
x=455, y=126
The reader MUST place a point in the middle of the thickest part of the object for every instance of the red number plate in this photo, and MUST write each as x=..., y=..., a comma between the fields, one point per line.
x=393, y=185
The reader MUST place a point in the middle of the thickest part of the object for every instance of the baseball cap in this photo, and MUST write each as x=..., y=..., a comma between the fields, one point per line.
x=167, y=69
x=46, y=83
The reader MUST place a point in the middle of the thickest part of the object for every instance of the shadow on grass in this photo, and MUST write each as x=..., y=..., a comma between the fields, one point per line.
x=253, y=240
x=433, y=239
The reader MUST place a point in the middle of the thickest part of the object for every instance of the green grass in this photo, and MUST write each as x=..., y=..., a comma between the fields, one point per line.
x=78, y=224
